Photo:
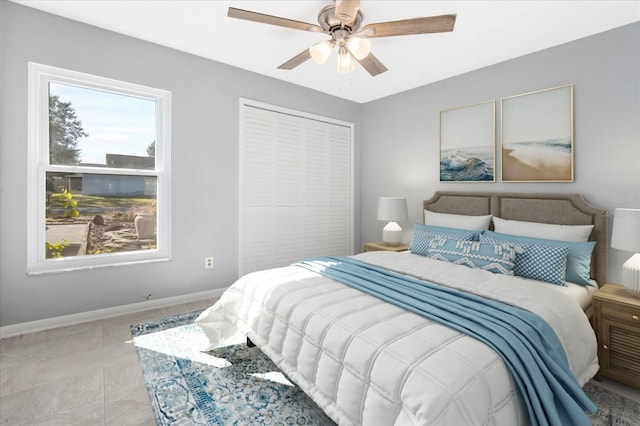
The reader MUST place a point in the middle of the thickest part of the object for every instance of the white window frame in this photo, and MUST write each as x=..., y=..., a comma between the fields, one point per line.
x=38, y=154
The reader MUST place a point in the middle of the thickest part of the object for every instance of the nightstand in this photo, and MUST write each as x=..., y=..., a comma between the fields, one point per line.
x=380, y=246
x=617, y=325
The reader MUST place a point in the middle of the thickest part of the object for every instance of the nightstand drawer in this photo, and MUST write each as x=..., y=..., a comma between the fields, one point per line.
x=627, y=314
x=620, y=349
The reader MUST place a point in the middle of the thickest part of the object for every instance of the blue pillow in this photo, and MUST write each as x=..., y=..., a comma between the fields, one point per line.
x=497, y=258
x=538, y=262
x=578, y=268
x=423, y=233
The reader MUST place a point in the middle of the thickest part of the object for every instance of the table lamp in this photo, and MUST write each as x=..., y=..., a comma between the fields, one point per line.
x=626, y=236
x=393, y=210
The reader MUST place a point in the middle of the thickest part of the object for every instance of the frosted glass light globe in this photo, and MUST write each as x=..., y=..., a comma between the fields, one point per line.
x=359, y=47
x=320, y=52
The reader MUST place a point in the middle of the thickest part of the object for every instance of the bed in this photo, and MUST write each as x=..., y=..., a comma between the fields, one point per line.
x=365, y=360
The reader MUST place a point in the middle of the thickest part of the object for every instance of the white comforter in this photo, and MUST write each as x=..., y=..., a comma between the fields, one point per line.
x=368, y=362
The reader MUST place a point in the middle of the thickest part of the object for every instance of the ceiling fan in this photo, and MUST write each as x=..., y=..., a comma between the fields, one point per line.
x=341, y=21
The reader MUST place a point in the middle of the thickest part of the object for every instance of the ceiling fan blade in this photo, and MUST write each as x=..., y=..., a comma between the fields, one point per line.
x=247, y=15
x=430, y=24
x=371, y=64
x=296, y=60
x=346, y=10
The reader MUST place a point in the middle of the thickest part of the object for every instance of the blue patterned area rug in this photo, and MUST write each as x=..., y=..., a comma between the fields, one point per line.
x=230, y=385
x=238, y=385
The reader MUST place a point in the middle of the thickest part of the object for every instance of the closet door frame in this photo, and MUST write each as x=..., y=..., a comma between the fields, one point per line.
x=248, y=103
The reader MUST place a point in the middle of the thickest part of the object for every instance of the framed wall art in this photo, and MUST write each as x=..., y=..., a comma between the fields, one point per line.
x=537, y=136
x=468, y=143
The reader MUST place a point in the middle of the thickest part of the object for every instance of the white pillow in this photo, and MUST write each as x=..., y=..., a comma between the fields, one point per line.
x=573, y=233
x=459, y=221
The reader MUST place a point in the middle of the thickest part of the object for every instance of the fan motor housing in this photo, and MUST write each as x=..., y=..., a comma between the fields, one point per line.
x=329, y=23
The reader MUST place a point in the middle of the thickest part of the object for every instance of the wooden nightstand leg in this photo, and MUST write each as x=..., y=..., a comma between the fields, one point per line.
x=598, y=376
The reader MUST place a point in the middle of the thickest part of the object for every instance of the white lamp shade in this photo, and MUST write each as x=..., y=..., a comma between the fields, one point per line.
x=626, y=230
x=393, y=209
x=626, y=236
x=321, y=51
x=359, y=47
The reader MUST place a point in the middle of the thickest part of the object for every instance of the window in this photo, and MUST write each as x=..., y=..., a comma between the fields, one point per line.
x=99, y=171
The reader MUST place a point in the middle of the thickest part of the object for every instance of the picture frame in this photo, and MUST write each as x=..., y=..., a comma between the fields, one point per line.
x=537, y=136
x=468, y=143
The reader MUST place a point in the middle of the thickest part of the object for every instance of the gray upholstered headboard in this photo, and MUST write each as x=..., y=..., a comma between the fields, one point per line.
x=563, y=209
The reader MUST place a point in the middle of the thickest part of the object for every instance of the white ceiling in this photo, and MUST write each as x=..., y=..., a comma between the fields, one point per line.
x=486, y=32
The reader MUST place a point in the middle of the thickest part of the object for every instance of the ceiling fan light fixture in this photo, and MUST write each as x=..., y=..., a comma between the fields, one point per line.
x=345, y=64
x=359, y=47
x=320, y=52
x=342, y=22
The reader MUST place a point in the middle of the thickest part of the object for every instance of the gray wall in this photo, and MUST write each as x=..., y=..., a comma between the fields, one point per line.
x=396, y=148
x=400, y=141
x=204, y=162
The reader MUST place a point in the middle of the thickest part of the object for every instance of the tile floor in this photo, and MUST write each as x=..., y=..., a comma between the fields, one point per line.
x=88, y=374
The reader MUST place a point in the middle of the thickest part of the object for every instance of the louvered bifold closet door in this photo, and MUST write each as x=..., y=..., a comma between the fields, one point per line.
x=339, y=190
x=289, y=196
x=316, y=190
x=295, y=189
x=257, y=186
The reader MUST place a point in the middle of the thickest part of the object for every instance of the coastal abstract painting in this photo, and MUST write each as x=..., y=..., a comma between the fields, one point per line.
x=468, y=143
x=537, y=136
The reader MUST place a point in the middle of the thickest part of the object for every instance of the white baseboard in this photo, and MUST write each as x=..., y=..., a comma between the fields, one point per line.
x=73, y=319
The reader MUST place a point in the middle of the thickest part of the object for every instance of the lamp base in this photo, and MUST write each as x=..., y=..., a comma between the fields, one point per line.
x=392, y=234
x=631, y=275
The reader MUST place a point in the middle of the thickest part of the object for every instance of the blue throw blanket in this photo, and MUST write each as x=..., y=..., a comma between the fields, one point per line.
x=527, y=344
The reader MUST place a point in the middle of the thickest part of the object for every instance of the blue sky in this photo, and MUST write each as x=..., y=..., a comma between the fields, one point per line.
x=116, y=124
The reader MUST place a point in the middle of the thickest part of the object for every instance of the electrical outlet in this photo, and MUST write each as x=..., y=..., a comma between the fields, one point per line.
x=208, y=262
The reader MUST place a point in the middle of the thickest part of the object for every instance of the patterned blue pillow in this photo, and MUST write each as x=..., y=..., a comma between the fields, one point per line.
x=497, y=258
x=423, y=233
x=538, y=262
x=578, y=269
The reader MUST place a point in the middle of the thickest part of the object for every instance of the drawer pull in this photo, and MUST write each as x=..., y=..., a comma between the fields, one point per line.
x=605, y=347
x=635, y=317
